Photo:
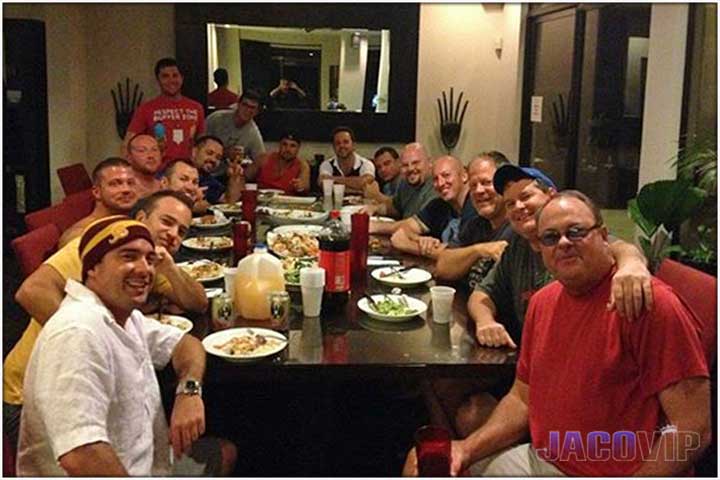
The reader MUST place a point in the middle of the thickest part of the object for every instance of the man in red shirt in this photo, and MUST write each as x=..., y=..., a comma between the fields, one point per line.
x=174, y=120
x=282, y=169
x=599, y=395
x=222, y=96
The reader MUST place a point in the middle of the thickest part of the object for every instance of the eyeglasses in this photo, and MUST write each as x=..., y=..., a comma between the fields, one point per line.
x=550, y=238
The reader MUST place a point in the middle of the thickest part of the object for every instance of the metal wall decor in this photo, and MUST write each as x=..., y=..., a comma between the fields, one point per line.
x=451, y=119
x=125, y=105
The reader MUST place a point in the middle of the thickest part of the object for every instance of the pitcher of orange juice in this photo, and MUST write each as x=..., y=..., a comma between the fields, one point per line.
x=257, y=275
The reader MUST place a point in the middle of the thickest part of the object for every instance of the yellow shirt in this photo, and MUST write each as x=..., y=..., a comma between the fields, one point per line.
x=66, y=262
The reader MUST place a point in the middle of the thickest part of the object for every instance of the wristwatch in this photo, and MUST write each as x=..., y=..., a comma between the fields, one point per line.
x=189, y=387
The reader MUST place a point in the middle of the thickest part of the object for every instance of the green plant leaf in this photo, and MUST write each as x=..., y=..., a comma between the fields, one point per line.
x=648, y=227
x=669, y=202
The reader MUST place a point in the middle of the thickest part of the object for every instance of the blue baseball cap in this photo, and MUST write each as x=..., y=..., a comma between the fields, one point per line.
x=513, y=173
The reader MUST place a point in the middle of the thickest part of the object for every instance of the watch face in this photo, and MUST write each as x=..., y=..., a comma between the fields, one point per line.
x=192, y=387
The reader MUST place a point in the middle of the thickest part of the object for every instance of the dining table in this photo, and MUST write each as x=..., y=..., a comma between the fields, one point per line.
x=319, y=403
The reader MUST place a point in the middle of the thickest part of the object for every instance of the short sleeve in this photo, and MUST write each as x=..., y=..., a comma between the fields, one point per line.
x=67, y=260
x=73, y=393
x=497, y=284
x=367, y=168
x=161, y=340
x=137, y=124
x=326, y=168
x=431, y=218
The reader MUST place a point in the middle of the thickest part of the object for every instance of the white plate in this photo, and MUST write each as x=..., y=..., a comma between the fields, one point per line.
x=284, y=216
x=218, y=338
x=418, y=305
x=199, y=243
x=220, y=221
x=414, y=276
x=383, y=219
x=293, y=199
x=350, y=209
x=270, y=191
x=186, y=266
x=176, y=321
x=228, y=208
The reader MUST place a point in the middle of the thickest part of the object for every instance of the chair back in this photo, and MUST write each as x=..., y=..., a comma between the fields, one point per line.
x=82, y=202
x=33, y=248
x=74, y=178
x=63, y=214
x=699, y=292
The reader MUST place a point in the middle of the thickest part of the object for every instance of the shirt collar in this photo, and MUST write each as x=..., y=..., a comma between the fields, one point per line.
x=357, y=163
x=80, y=293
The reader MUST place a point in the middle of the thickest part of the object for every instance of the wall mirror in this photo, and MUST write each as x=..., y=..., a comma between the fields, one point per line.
x=357, y=63
x=328, y=69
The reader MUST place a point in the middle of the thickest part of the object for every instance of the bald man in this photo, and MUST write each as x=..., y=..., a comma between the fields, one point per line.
x=438, y=224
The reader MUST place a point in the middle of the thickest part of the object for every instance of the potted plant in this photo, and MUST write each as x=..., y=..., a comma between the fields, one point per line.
x=658, y=210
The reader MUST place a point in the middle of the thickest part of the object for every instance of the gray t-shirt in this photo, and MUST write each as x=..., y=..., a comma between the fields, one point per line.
x=222, y=125
x=518, y=274
x=409, y=199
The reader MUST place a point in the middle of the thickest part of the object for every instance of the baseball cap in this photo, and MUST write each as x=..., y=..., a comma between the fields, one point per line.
x=513, y=173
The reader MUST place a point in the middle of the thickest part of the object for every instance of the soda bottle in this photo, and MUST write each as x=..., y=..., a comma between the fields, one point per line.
x=335, y=259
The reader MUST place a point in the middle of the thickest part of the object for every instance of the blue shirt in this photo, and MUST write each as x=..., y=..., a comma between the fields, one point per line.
x=215, y=188
x=441, y=220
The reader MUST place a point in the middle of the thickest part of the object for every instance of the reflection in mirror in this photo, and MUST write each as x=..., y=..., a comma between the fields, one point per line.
x=328, y=69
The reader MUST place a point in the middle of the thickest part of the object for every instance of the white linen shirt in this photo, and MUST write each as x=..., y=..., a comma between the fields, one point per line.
x=362, y=164
x=90, y=380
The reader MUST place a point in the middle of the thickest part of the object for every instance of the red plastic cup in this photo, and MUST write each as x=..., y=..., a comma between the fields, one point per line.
x=359, y=237
x=432, y=445
x=249, y=204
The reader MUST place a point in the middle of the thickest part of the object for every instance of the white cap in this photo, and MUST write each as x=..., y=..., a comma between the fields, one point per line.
x=312, y=277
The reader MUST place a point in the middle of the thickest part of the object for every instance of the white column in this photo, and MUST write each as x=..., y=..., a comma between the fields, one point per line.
x=663, y=92
x=384, y=73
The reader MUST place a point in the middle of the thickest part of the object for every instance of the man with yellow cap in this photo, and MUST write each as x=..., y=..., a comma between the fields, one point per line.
x=92, y=401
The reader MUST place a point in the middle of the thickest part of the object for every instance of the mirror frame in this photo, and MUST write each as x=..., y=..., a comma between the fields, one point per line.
x=402, y=19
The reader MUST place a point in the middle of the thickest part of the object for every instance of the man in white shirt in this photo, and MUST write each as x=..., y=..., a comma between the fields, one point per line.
x=347, y=167
x=92, y=401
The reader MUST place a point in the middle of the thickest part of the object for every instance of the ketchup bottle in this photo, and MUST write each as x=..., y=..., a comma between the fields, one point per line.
x=335, y=259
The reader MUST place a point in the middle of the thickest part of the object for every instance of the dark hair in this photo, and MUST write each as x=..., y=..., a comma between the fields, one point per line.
x=170, y=168
x=339, y=129
x=148, y=204
x=221, y=77
x=205, y=138
x=393, y=153
x=107, y=163
x=251, y=94
x=132, y=139
x=290, y=135
x=578, y=195
x=164, y=63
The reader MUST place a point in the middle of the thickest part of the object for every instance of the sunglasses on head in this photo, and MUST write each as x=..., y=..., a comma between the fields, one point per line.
x=550, y=238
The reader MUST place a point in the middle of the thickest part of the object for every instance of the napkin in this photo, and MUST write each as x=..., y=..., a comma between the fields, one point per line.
x=381, y=261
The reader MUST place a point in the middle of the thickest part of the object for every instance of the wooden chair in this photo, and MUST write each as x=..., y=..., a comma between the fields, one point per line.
x=33, y=248
x=74, y=178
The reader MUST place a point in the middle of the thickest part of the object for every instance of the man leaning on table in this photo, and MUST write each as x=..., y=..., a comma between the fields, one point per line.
x=346, y=167
x=438, y=224
x=207, y=155
x=93, y=403
x=598, y=395
x=499, y=302
x=167, y=216
x=413, y=193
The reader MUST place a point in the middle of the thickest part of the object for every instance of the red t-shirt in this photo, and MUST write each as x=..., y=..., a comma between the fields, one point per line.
x=267, y=177
x=183, y=119
x=594, y=378
x=221, y=98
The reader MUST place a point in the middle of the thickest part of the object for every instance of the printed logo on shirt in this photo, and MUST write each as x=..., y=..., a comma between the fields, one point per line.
x=185, y=114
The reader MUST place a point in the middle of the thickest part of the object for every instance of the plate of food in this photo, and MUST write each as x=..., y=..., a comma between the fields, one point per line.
x=295, y=240
x=244, y=344
x=401, y=276
x=176, y=321
x=392, y=308
x=284, y=216
x=208, y=243
x=294, y=199
x=211, y=220
x=292, y=266
x=202, y=270
x=228, y=208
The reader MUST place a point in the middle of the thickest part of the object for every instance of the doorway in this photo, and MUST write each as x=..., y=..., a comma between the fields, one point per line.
x=585, y=78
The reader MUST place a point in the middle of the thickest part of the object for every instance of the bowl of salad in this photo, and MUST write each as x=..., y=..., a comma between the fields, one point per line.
x=392, y=307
